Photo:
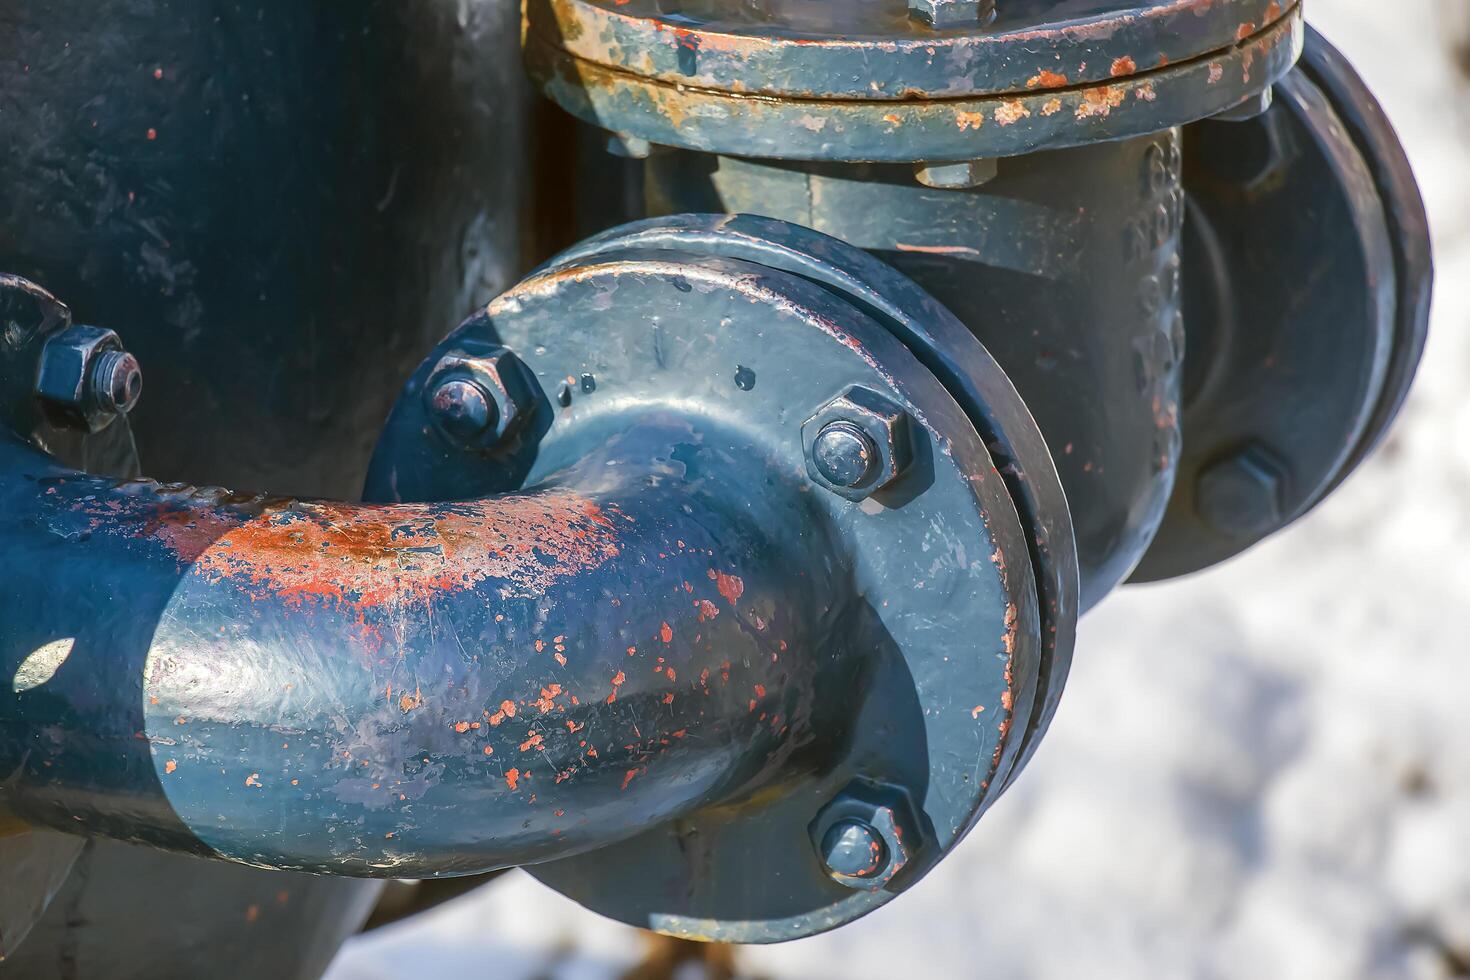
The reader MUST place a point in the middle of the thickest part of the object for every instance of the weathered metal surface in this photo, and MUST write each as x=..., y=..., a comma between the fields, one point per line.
x=949, y=128
x=875, y=50
x=135, y=913
x=646, y=319
x=278, y=205
x=944, y=346
x=1303, y=340
x=1065, y=267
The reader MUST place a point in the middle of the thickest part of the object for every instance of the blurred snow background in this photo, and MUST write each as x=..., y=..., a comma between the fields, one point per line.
x=1260, y=772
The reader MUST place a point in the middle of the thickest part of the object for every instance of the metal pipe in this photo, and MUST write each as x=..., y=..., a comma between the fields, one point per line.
x=416, y=689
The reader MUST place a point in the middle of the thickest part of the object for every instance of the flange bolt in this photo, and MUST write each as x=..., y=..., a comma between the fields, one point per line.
x=463, y=409
x=853, y=849
x=117, y=382
x=844, y=454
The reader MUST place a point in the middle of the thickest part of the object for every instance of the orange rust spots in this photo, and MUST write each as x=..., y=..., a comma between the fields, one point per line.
x=704, y=677
x=892, y=119
x=668, y=699
x=497, y=718
x=760, y=690
x=295, y=782
x=181, y=720
x=628, y=777
x=253, y=780
x=1244, y=31
x=617, y=682
x=729, y=586
x=153, y=699
x=158, y=73
x=558, y=639
x=512, y=777
x=707, y=609
x=1217, y=72
x=968, y=120
x=462, y=727
x=386, y=556
x=669, y=672
x=1051, y=107
x=632, y=650
x=1006, y=700
x=388, y=835
x=540, y=645
x=1273, y=10
x=752, y=707
x=1101, y=101
x=547, y=701
x=170, y=766
x=509, y=707
x=665, y=633
x=558, y=813
x=475, y=725
x=976, y=711
x=1011, y=112
x=681, y=733
x=152, y=133
x=534, y=742
x=1124, y=66
x=252, y=912
x=1011, y=626
x=407, y=703
x=573, y=727
x=688, y=587
x=1047, y=79
x=592, y=753
x=560, y=659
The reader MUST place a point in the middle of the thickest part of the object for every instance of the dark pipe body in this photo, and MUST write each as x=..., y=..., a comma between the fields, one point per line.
x=414, y=689
x=1065, y=266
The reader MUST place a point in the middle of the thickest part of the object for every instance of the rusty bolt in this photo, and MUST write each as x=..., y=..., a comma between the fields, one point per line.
x=956, y=176
x=867, y=835
x=953, y=13
x=478, y=395
x=857, y=443
x=1243, y=494
x=86, y=379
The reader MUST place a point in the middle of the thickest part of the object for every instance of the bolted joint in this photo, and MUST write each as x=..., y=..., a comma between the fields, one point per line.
x=479, y=397
x=1243, y=494
x=867, y=835
x=858, y=443
x=86, y=379
x=953, y=13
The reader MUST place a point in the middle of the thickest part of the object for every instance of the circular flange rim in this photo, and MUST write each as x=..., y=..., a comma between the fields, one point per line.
x=912, y=131
x=870, y=54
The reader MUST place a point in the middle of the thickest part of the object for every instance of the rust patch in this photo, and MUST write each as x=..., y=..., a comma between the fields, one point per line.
x=731, y=587
x=1047, y=79
x=389, y=556
x=1123, y=66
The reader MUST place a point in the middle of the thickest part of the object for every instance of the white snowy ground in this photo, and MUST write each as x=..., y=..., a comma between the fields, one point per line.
x=1262, y=772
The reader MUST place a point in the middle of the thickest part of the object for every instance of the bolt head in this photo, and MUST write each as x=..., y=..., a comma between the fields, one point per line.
x=867, y=834
x=86, y=379
x=462, y=408
x=844, y=454
x=478, y=395
x=118, y=382
x=1243, y=494
x=952, y=13
x=858, y=443
x=853, y=849
x=956, y=176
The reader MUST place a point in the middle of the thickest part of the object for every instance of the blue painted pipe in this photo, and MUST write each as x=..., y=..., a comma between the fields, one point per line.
x=415, y=689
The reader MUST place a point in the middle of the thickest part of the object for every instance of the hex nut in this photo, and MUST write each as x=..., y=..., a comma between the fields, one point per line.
x=875, y=808
x=68, y=379
x=1243, y=494
x=956, y=176
x=499, y=374
x=952, y=13
x=888, y=426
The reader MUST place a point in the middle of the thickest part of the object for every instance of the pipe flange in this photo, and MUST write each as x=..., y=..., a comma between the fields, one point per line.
x=756, y=334
x=1302, y=337
x=870, y=82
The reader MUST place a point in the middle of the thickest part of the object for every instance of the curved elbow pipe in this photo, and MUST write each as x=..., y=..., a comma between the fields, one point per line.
x=412, y=689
